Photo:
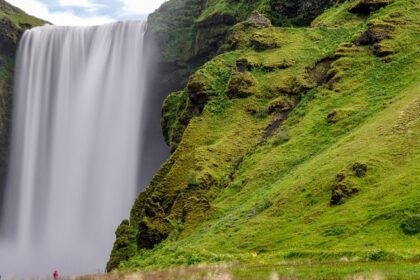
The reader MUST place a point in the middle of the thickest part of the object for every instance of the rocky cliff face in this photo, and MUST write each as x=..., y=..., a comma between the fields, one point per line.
x=286, y=142
x=13, y=22
x=191, y=32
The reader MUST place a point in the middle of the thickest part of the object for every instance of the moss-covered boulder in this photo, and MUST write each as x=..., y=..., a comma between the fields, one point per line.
x=200, y=89
x=153, y=231
x=341, y=191
x=281, y=104
x=124, y=245
x=242, y=85
x=360, y=169
x=264, y=41
x=258, y=20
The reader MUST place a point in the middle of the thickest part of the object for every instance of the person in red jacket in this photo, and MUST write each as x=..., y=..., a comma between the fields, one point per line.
x=55, y=274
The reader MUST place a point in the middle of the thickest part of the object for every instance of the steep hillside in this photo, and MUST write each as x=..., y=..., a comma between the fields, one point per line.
x=292, y=143
x=12, y=24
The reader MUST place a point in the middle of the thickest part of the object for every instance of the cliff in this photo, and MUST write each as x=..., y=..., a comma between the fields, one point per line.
x=294, y=130
x=13, y=22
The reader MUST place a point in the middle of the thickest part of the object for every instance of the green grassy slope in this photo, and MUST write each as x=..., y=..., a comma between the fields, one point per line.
x=298, y=143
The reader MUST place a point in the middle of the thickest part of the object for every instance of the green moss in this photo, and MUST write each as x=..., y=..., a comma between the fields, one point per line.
x=241, y=181
x=241, y=85
x=411, y=224
x=124, y=246
x=281, y=104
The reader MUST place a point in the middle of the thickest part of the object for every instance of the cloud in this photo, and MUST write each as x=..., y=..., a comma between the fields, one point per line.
x=40, y=10
x=140, y=7
x=79, y=3
x=87, y=12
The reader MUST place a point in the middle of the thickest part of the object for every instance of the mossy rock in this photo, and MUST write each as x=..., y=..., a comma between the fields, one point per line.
x=337, y=115
x=360, y=169
x=152, y=232
x=280, y=105
x=242, y=85
x=341, y=191
x=124, y=246
x=295, y=86
x=375, y=34
x=257, y=19
x=177, y=111
x=199, y=89
x=264, y=41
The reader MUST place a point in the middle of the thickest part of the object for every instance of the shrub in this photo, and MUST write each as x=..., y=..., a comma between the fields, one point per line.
x=411, y=225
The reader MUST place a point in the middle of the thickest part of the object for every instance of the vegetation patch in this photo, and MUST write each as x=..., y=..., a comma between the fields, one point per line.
x=411, y=224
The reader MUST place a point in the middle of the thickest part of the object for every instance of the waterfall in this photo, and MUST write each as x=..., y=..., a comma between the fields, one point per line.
x=78, y=134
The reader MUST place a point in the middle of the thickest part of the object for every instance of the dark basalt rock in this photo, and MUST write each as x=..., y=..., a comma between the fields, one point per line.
x=340, y=191
x=366, y=7
x=375, y=34
x=332, y=117
x=297, y=12
x=360, y=169
x=9, y=36
x=340, y=177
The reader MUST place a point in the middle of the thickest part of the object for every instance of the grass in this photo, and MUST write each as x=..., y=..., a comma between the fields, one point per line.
x=269, y=188
x=327, y=271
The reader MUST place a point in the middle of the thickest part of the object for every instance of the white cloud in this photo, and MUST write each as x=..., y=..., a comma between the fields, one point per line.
x=40, y=10
x=141, y=7
x=79, y=3
x=66, y=15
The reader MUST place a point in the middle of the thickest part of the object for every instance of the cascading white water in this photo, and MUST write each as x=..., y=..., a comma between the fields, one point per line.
x=76, y=138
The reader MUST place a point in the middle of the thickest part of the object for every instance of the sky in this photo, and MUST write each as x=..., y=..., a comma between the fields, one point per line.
x=87, y=12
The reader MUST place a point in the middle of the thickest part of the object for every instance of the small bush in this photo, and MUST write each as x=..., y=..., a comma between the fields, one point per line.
x=411, y=225
x=377, y=255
